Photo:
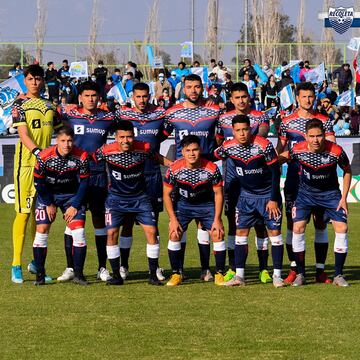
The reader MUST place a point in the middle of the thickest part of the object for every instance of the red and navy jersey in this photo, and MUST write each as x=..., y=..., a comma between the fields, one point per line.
x=56, y=174
x=193, y=186
x=257, y=119
x=250, y=163
x=91, y=131
x=148, y=127
x=200, y=121
x=125, y=169
x=292, y=130
x=318, y=170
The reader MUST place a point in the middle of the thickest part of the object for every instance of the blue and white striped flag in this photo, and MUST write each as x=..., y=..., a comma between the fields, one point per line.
x=118, y=93
x=286, y=97
x=202, y=72
x=317, y=75
x=347, y=98
x=9, y=90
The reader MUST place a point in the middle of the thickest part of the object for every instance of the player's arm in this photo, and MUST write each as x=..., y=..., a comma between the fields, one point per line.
x=345, y=165
x=27, y=140
x=42, y=189
x=162, y=160
x=280, y=146
x=174, y=225
x=217, y=224
x=284, y=157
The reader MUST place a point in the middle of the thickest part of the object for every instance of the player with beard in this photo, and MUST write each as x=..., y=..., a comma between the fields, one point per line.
x=148, y=123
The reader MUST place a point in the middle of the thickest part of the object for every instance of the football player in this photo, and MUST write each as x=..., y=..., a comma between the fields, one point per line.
x=198, y=186
x=319, y=190
x=35, y=119
x=292, y=131
x=61, y=176
x=256, y=165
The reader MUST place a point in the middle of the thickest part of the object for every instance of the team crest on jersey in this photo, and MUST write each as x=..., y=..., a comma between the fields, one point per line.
x=36, y=124
x=79, y=129
x=254, y=151
x=182, y=176
x=72, y=163
x=325, y=159
x=341, y=18
x=152, y=116
x=203, y=112
x=137, y=157
x=203, y=176
x=293, y=125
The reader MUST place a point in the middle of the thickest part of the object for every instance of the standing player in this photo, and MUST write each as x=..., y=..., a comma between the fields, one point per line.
x=194, y=117
x=148, y=124
x=198, y=185
x=259, y=123
x=125, y=159
x=319, y=189
x=61, y=177
x=35, y=119
x=256, y=164
x=91, y=127
x=292, y=131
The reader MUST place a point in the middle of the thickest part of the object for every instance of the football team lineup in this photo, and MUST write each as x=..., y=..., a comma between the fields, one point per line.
x=121, y=184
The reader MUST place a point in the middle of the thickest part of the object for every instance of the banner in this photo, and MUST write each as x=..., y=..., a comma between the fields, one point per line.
x=262, y=76
x=347, y=98
x=118, y=93
x=187, y=50
x=79, y=69
x=9, y=90
x=286, y=97
x=158, y=63
x=316, y=75
x=354, y=44
x=295, y=73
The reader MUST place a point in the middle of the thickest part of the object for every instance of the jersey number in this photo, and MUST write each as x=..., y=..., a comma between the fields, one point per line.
x=40, y=215
x=108, y=219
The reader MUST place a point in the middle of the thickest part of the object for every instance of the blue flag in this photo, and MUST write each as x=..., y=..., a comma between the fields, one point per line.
x=347, y=98
x=286, y=97
x=150, y=54
x=9, y=90
x=118, y=93
x=295, y=73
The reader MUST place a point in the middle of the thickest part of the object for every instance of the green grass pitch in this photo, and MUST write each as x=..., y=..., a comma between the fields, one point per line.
x=193, y=321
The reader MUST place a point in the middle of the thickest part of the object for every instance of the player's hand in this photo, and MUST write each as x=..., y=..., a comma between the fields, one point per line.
x=272, y=208
x=51, y=212
x=217, y=229
x=209, y=102
x=343, y=205
x=70, y=214
x=175, y=228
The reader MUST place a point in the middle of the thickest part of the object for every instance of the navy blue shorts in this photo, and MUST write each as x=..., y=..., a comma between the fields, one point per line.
x=96, y=194
x=154, y=189
x=204, y=213
x=323, y=203
x=116, y=209
x=231, y=196
x=63, y=202
x=252, y=211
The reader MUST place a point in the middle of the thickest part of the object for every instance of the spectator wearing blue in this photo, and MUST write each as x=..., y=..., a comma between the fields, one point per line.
x=16, y=70
x=128, y=82
x=173, y=80
x=182, y=70
x=250, y=85
x=116, y=77
x=64, y=73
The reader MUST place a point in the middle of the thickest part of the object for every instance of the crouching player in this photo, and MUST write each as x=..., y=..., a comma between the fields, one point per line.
x=319, y=190
x=125, y=160
x=198, y=184
x=256, y=165
x=61, y=177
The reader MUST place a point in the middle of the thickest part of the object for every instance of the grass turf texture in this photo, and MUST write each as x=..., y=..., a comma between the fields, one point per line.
x=193, y=321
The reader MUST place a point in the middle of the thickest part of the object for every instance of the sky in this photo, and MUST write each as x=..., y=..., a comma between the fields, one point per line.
x=124, y=21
